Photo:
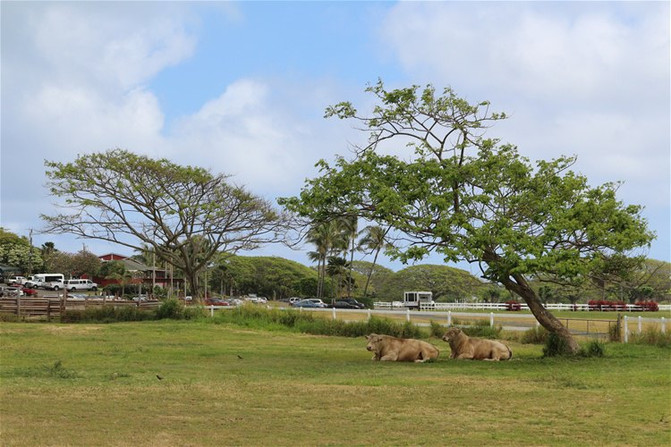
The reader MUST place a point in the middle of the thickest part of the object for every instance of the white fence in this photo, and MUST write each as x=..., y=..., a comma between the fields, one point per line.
x=639, y=324
x=511, y=321
x=504, y=306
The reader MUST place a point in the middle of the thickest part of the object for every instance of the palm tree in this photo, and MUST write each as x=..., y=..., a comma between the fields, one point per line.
x=337, y=266
x=374, y=240
x=323, y=235
x=347, y=226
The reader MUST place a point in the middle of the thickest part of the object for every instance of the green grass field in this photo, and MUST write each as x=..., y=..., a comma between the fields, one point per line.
x=95, y=384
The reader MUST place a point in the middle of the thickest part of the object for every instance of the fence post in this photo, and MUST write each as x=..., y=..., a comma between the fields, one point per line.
x=334, y=313
x=212, y=310
x=449, y=318
x=626, y=329
x=491, y=319
x=663, y=325
x=640, y=324
x=407, y=314
x=369, y=314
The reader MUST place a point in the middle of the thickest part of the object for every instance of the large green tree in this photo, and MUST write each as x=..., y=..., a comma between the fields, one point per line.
x=16, y=251
x=184, y=214
x=468, y=197
x=272, y=277
x=448, y=284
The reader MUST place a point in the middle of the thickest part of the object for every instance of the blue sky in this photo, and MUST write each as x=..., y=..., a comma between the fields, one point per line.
x=241, y=88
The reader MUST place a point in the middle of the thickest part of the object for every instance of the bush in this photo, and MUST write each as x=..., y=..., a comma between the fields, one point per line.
x=594, y=349
x=614, y=332
x=255, y=316
x=437, y=330
x=481, y=329
x=652, y=336
x=648, y=306
x=604, y=305
x=170, y=309
x=555, y=346
x=536, y=335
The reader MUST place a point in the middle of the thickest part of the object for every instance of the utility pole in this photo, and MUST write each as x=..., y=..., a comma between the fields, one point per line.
x=30, y=255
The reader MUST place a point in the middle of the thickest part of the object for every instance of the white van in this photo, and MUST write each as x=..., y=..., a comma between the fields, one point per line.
x=48, y=280
x=80, y=284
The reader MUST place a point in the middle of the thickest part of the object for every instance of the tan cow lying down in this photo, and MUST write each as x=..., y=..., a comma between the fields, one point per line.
x=465, y=347
x=388, y=348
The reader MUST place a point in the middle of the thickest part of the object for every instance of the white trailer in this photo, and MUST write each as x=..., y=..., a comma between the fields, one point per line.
x=415, y=299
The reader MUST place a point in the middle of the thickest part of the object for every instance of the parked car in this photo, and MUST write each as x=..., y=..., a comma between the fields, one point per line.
x=10, y=291
x=52, y=285
x=310, y=302
x=307, y=303
x=80, y=284
x=32, y=282
x=27, y=291
x=217, y=302
x=341, y=304
x=353, y=302
x=19, y=280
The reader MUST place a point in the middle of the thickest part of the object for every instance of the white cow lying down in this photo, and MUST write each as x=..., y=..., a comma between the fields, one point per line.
x=388, y=348
x=465, y=347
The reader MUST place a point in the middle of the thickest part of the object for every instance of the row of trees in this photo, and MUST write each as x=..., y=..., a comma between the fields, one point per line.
x=277, y=278
x=336, y=241
x=17, y=251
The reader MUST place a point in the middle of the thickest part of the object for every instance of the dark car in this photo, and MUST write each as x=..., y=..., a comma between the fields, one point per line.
x=344, y=305
x=353, y=302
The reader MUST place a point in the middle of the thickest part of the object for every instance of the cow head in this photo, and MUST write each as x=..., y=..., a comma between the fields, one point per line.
x=373, y=341
x=452, y=334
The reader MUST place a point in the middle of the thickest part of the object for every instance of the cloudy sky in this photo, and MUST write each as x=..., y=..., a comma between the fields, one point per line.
x=241, y=88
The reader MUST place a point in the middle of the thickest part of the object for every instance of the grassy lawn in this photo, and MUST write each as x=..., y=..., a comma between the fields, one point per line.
x=91, y=384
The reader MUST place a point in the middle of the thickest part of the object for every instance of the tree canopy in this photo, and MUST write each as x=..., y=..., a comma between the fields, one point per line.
x=272, y=277
x=16, y=251
x=472, y=198
x=185, y=214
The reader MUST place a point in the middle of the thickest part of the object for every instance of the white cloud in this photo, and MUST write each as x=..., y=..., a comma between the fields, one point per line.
x=583, y=78
x=534, y=49
x=251, y=132
x=110, y=44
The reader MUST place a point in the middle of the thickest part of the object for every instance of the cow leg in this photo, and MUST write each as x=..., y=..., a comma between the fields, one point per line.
x=389, y=357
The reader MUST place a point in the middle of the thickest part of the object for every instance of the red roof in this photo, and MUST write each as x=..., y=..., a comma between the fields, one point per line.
x=112, y=257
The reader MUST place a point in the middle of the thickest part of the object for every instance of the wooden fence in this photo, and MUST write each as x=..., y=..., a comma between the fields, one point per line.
x=54, y=307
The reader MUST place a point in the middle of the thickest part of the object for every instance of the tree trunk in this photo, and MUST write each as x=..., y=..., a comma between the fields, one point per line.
x=370, y=273
x=192, y=280
x=519, y=285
